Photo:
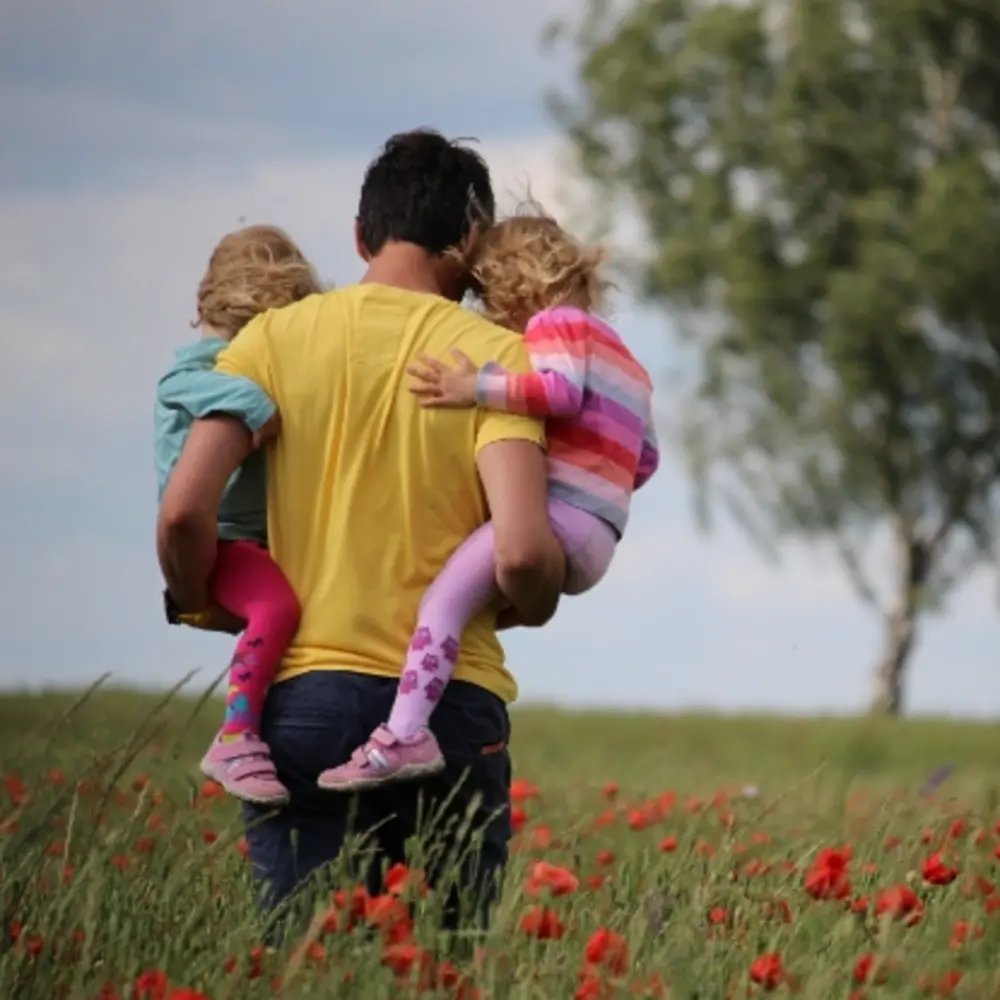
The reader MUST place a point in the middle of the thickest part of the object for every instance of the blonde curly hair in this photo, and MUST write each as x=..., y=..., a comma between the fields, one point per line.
x=528, y=262
x=250, y=271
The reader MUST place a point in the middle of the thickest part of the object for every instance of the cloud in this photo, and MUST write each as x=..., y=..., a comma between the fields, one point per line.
x=91, y=139
x=319, y=76
x=668, y=554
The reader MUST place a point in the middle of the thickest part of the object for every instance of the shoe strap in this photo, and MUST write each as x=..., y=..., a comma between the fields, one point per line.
x=383, y=736
x=235, y=749
x=250, y=766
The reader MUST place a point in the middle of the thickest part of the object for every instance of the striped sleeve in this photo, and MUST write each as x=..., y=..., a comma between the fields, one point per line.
x=557, y=349
x=649, y=458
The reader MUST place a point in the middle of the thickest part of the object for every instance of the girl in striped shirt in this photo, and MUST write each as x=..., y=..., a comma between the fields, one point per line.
x=597, y=400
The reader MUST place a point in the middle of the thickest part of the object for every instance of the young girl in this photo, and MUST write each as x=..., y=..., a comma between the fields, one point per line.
x=250, y=271
x=533, y=277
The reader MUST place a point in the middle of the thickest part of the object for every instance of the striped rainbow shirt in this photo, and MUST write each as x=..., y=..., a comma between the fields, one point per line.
x=598, y=401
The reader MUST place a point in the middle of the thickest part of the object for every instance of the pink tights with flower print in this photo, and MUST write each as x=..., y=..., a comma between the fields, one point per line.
x=464, y=587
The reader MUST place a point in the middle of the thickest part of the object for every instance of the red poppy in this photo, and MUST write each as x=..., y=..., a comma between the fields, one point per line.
x=406, y=958
x=151, y=985
x=542, y=923
x=936, y=872
x=868, y=969
x=17, y=791
x=400, y=880
x=963, y=931
x=552, y=879
x=518, y=817
x=768, y=971
x=899, y=902
x=827, y=877
x=522, y=790
x=608, y=951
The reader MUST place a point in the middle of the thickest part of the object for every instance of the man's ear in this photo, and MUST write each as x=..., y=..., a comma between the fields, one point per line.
x=470, y=242
x=359, y=243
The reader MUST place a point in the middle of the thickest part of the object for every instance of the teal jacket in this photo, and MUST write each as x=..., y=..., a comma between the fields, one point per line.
x=191, y=389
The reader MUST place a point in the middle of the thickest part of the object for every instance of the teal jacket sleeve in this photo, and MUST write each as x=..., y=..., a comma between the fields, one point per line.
x=205, y=391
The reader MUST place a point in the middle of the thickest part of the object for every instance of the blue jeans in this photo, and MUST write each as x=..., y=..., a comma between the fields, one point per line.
x=315, y=721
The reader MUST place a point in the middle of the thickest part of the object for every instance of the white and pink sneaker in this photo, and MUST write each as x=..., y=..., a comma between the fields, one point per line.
x=385, y=758
x=244, y=768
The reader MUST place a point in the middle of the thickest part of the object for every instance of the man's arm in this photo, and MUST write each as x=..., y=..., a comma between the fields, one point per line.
x=186, y=527
x=531, y=565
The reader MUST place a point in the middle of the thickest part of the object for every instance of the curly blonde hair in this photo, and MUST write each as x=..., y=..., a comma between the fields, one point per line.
x=528, y=262
x=250, y=271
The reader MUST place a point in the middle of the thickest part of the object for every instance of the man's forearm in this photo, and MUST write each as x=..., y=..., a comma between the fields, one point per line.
x=187, y=555
x=186, y=527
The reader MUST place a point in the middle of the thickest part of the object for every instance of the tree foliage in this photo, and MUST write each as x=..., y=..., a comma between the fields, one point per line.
x=820, y=183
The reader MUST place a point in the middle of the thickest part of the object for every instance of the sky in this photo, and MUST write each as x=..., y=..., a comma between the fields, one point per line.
x=135, y=139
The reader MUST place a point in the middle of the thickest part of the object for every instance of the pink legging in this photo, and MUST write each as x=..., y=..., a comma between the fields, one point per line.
x=247, y=582
x=464, y=587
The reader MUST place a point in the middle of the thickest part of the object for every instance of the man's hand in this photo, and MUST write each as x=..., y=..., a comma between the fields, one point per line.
x=437, y=385
x=509, y=617
x=214, y=619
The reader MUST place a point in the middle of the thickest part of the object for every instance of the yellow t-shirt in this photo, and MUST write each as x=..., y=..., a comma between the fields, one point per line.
x=368, y=494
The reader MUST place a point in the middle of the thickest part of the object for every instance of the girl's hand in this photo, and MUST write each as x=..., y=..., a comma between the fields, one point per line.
x=438, y=385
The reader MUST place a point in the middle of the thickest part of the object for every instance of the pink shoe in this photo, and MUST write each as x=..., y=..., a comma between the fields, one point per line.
x=244, y=768
x=383, y=759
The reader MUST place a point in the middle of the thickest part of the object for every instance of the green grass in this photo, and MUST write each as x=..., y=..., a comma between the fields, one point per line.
x=136, y=873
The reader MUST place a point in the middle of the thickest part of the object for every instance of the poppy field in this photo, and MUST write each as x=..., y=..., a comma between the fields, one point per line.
x=682, y=857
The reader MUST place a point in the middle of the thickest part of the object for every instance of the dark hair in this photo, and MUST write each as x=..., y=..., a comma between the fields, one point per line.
x=424, y=189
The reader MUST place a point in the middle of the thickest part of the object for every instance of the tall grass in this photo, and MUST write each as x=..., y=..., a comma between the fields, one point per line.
x=123, y=875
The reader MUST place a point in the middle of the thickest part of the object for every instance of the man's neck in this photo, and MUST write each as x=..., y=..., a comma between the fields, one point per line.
x=407, y=266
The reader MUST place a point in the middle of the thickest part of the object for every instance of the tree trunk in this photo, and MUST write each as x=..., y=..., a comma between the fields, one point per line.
x=900, y=631
x=901, y=624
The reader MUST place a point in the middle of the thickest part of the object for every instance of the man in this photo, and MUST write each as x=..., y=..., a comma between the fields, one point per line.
x=368, y=495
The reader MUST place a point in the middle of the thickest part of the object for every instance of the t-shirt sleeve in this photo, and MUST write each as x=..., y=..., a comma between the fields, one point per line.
x=249, y=356
x=494, y=425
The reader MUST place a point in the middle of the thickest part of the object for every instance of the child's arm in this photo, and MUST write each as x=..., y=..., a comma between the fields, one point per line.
x=649, y=459
x=202, y=392
x=557, y=350
x=553, y=389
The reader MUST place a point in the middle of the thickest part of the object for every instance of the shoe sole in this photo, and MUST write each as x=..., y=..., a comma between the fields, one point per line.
x=408, y=772
x=256, y=800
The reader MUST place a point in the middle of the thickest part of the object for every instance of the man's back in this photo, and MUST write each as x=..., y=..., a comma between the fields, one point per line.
x=368, y=494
